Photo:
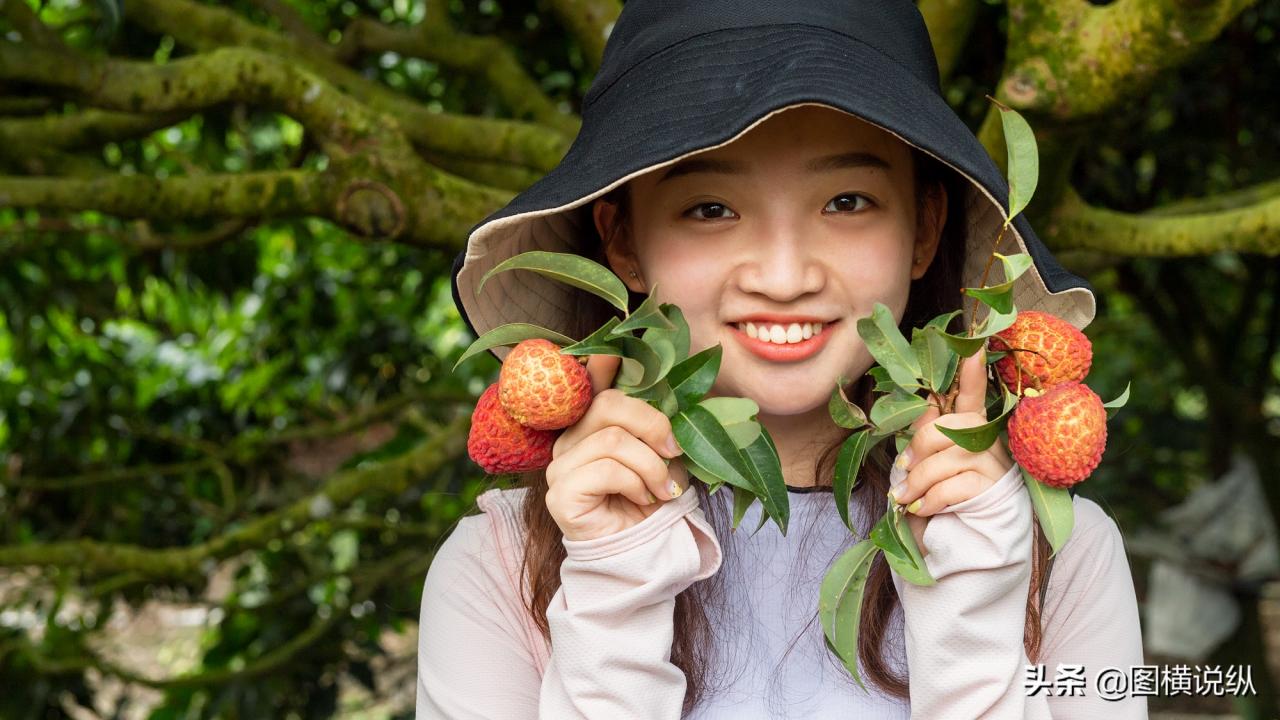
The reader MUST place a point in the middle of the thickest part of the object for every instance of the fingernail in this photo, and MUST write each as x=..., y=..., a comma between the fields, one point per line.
x=652, y=498
x=675, y=489
x=672, y=447
x=904, y=459
x=914, y=506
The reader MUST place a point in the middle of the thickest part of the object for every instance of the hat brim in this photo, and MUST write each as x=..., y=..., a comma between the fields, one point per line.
x=704, y=93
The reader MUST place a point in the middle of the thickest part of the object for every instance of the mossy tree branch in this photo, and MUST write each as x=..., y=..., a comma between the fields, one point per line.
x=949, y=23
x=590, y=22
x=375, y=185
x=205, y=27
x=1253, y=228
x=485, y=57
x=393, y=476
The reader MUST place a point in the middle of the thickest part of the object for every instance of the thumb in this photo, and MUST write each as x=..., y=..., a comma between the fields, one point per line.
x=973, y=384
x=602, y=369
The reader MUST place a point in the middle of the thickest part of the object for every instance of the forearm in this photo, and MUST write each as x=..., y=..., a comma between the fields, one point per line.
x=611, y=620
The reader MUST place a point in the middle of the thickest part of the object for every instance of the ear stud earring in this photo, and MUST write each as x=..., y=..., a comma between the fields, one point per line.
x=633, y=274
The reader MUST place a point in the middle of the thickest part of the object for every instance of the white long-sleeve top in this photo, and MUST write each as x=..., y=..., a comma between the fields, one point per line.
x=480, y=656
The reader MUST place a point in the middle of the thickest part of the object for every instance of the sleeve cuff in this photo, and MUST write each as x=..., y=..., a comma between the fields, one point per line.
x=1006, y=486
x=637, y=534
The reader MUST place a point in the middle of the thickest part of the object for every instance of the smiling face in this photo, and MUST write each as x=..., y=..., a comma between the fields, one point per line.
x=812, y=213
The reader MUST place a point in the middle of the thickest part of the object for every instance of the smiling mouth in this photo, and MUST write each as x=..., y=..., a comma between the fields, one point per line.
x=782, y=334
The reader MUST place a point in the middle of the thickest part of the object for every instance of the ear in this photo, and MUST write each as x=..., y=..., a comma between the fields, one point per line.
x=617, y=249
x=933, y=215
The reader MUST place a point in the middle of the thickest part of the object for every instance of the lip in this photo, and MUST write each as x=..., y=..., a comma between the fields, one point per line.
x=791, y=352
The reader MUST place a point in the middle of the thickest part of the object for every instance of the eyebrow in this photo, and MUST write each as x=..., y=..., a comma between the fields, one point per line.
x=839, y=161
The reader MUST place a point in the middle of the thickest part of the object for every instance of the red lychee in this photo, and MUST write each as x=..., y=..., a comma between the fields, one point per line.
x=499, y=444
x=1051, y=351
x=1058, y=436
x=542, y=388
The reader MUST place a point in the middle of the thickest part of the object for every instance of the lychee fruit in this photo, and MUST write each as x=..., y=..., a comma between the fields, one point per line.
x=1058, y=436
x=542, y=388
x=1050, y=350
x=499, y=444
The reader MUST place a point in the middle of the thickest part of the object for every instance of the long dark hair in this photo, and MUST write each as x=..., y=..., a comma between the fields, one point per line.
x=936, y=292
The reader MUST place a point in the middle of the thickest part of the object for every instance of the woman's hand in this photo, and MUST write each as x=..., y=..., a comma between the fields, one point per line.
x=608, y=471
x=939, y=472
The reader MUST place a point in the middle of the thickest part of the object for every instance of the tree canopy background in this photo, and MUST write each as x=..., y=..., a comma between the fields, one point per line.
x=226, y=331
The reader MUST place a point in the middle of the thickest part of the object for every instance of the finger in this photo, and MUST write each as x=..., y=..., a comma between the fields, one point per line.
x=952, y=491
x=973, y=384
x=621, y=445
x=942, y=465
x=614, y=407
x=929, y=439
x=599, y=478
x=909, y=454
x=602, y=369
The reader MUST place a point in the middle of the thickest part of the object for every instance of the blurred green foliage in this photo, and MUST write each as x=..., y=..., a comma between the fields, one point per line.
x=163, y=393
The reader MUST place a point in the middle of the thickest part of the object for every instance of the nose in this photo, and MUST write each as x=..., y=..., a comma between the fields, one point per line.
x=782, y=263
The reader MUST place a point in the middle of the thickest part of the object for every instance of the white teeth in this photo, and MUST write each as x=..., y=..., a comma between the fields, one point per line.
x=781, y=334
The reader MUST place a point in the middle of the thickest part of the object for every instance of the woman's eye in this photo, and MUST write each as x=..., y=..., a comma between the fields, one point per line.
x=715, y=211
x=846, y=202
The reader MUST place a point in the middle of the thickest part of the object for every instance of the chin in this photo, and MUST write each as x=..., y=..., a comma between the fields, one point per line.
x=777, y=398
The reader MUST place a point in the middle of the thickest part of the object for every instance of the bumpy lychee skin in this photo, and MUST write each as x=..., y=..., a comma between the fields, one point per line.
x=499, y=444
x=1058, y=437
x=1065, y=353
x=542, y=388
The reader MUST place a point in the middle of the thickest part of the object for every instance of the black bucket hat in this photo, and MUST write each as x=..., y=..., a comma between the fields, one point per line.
x=680, y=77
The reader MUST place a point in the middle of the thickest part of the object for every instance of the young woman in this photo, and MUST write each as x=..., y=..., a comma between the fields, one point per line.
x=775, y=169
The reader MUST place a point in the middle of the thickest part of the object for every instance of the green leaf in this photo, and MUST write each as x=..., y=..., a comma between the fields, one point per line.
x=943, y=321
x=887, y=345
x=705, y=440
x=919, y=572
x=840, y=602
x=853, y=451
x=901, y=441
x=1014, y=265
x=979, y=438
x=845, y=414
x=963, y=344
x=897, y=410
x=680, y=336
x=692, y=377
x=648, y=315
x=630, y=373
x=935, y=356
x=568, y=268
x=761, y=458
x=888, y=535
x=1114, y=406
x=742, y=500
x=995, y=321
x=999, y=297
x=660, y=396
x=1054, y=510
x=511, y=334
x=651, y=363
x=884, y=383
x=599, y=342
x=731, y=409
x=1024, y=159
x=695, y=470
